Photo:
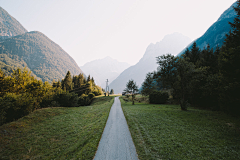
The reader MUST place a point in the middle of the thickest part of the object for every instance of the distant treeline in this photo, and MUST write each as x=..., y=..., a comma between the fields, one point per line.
x=21, y=93
x=205, y=78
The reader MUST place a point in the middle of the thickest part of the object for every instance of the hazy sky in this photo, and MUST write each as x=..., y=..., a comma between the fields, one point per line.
x=121, y=29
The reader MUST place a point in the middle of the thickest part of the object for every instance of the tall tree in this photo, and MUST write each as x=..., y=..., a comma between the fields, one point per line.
x=148, y=86
x=131, y=88
x=112, y=91
x=193, y=54
x=67, y=82
x=166, y=70
x=229, y=61
x=89, y=78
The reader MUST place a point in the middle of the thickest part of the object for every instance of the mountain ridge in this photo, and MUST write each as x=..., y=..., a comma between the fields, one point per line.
x=216, y=33
x=9, y=26
x=33, y=50
x=172, y=43
x=105, y=68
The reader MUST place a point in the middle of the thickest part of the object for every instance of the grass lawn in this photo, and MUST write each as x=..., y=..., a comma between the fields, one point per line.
x=56, y=133
x=166, y=132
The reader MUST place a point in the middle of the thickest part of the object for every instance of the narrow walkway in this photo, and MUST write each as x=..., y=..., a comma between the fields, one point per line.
x=116, y=142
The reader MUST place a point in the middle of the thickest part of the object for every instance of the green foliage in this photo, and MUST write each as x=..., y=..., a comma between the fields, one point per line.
x=158, y=97
x=91, y=95
x=78, y=81
x=67, y=82
x=229, y=61
x=131, y=88
x=97, y=91
x=66, y=99
x=148, y=85
x=42, y=56
x=112, y=91
x=16, y=106
x=84, y=100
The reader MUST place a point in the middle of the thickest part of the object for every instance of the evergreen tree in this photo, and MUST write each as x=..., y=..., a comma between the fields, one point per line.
x=148, y=85
x=194, y=53
x=67, y=82
x=89, y=78
x=229, y=63
x=112, y=91
x=93, y=81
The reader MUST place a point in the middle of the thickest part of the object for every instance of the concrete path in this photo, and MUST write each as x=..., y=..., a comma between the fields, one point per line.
x=116, y=142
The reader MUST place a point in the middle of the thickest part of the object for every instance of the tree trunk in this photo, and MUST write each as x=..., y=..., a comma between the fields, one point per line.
x=132, y=99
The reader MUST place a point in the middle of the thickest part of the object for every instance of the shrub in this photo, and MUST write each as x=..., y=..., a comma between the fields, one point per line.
x=90, y=96
x=84, y=100
x=158, y=97
x=66, y=99
x=15, y=106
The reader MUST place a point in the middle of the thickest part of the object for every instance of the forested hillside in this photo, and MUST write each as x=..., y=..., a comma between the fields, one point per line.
x=37, y=52
x=207, y=78
x=216, y=33
x=32, y=50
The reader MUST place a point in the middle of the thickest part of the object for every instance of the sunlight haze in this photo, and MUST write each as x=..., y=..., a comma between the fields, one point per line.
x=93, y=29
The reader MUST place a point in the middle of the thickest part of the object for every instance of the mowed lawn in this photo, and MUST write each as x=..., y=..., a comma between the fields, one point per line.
x=56, y=133
x=166, y=132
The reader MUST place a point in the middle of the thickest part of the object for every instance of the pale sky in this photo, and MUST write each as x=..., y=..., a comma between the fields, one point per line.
x=122, y=29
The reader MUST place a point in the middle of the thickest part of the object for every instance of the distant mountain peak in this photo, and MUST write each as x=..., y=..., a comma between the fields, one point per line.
x=171, y=43
x=105, y=68
x=33, y=50
x=107, y=57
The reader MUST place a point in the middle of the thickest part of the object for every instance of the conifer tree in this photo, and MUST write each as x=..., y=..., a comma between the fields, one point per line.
x=67, y=82
x=148, y=85
x=194, y=53
x=89, y=78
x=112, y=91
x=229, y=63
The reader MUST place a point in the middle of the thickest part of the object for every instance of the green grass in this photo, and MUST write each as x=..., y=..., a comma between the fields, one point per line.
x=166, y=132
x=56, y=133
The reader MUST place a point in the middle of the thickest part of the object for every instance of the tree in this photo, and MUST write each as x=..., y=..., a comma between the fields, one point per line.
x=185, y=76
x=89, y=78
x=112, y=91
x=67, y=82
x=166, y=75
x=194, y=53
x=178, y=74
x=131, y=88
x=148, y=86
x=229, y=61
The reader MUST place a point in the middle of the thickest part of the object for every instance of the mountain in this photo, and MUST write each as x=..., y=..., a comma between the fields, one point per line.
x=172, y=43
x=9, y=26
x=102, y=69
x=43, y=57
x=33, y=50
x=215, y=35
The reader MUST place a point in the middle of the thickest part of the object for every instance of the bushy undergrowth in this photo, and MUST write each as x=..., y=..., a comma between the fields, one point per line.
x=21, y=93
x=158, y=97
